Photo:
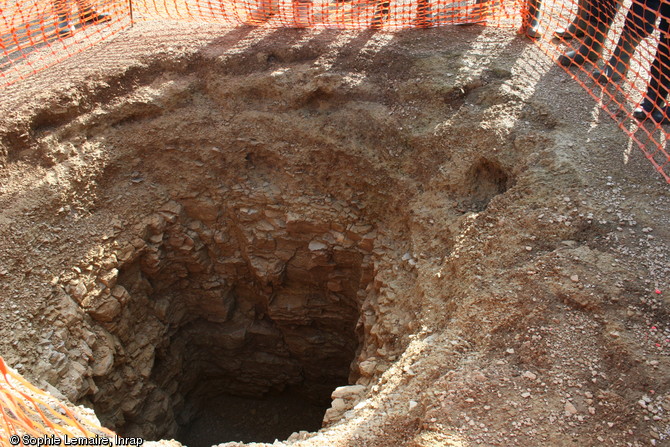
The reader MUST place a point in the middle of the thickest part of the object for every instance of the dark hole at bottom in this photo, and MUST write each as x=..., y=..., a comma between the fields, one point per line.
x=233, y=351
x=230, y=418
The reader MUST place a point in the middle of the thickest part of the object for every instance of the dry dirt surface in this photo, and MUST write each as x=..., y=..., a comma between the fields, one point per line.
x=440, y=219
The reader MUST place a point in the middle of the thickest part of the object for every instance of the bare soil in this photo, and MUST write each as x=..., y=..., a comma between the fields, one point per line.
x=520, y=253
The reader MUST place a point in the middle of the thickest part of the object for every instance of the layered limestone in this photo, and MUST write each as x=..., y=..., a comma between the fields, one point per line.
x=211, y=298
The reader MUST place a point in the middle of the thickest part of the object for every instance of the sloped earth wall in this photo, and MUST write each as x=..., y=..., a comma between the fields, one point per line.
x=422, y=216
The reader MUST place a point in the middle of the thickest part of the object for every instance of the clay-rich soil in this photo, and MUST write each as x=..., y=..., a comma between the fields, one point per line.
x=254, y=209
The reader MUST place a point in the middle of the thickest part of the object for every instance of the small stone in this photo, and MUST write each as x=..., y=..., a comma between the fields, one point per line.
x=570, y=409
x=109, y=278
x=120, y=293
x=574, y=278
x=315, y=246
x=338, y=405
x=529, y=375
x=361, y=405
x=367, y=367
x=525, y=395
x=412, y=405
x=479, y=376
x=344, y=392
x=104, y=308
x=510, y=351
x=78, y=291
x=103, y=362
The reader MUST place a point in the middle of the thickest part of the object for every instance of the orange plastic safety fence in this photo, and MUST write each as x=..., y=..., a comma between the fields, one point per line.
x=35, y=34
x=351, y=14
x=628, y=42
x=28, y=415
x=620, y=54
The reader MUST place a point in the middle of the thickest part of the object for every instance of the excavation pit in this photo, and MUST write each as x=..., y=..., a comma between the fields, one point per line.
x=238, y=278
x=256, y=230
x=487, y=243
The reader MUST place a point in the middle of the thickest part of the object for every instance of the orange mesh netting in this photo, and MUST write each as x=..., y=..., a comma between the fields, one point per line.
x=351, y=14
x=26, y=411
x=35, y=34
x=630, y=42
x=620, y=54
